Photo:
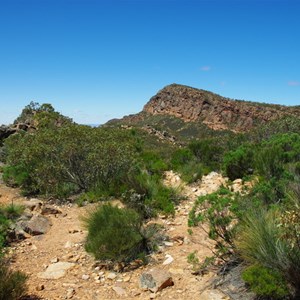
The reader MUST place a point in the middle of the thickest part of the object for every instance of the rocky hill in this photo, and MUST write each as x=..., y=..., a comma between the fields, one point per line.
x=217, y=112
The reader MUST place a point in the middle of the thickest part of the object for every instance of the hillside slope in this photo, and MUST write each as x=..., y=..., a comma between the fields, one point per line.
x=217, y=112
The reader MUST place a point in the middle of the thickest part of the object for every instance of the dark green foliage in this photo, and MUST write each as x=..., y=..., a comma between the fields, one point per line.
x=265, y=282
x=181, y=157
x=4, y=225
x=115, y=234
x=42, y=116
x=153, y=162
x=68, y=159
x=12, y=283
x=208, y=151
x=239, y=163
x=7, y=215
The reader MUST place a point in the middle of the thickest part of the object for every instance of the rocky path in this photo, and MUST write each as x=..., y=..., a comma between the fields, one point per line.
x=59, y=268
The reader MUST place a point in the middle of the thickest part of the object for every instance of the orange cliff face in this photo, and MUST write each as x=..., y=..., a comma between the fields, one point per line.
x=217, y=112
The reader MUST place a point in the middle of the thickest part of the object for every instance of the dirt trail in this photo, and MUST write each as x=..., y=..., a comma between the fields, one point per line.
x=65, y=243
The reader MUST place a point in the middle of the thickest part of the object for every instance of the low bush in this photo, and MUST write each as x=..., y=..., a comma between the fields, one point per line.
x=115, y=234
x=218, y=210
x=262, y=241
x=12, y=283
x=265, y=282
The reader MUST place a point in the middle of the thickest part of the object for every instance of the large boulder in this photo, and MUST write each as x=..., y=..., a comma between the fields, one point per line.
x=37, y=225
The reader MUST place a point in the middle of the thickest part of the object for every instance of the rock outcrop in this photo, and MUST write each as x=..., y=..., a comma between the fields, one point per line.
x=6, y=131
x=217, y=112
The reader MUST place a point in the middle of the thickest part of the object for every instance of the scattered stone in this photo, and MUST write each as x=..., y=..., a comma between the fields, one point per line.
x=176, y=271
x=49, y=210
x=33, y=247
x=169, y=244
x=127, y=278
x=152, y=296
x=111, y=276
x=119, y=291
x=156, y=280
x=169, y=260
x=213, y=295
x=32, y=204
x=56, y=271
x=68, y=244
x=70, y=293
x=54, y=260
x=17, y=233
x=186, y=240
x=85, y=277
x=74, y=231
x=135, y=293
x=40, y=287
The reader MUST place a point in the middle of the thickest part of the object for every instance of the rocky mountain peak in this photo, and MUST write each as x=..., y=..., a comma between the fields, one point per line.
x=217, y=112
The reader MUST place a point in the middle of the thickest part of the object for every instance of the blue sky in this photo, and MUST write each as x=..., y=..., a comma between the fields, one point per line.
x=98, y=60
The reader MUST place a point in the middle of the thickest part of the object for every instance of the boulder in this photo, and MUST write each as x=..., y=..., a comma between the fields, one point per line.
x=37, y=225
x=6, y=131
x=156, y=280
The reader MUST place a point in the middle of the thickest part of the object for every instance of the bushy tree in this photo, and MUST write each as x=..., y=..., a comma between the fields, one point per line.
x=239, y=163
x=69, y=158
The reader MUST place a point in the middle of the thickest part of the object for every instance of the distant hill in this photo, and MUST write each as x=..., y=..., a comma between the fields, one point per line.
x=192, y=110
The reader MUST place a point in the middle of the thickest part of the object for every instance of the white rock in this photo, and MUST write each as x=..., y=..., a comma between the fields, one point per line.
x=56, y=271
x=68, y=244
x=119, y=290
x=169, y=260
x=111, y=276
x=85, y=277
x=168, y=244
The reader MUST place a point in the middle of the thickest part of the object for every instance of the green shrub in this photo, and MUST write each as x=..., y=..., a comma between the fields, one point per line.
x=208, y=151
x=69, y=159
x=218, y=210
x=12, y=283
x=153, y=162
x=238, y=163
x=12, y=211
x=181, y=157
x=163, y=199
x=265, y=282
x=261, y=243
x=149, y=196
x=115, y=234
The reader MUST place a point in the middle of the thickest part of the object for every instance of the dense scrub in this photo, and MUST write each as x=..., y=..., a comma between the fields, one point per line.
x=261, y=227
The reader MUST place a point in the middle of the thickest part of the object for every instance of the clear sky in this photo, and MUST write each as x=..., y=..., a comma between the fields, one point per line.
x=102, y=59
